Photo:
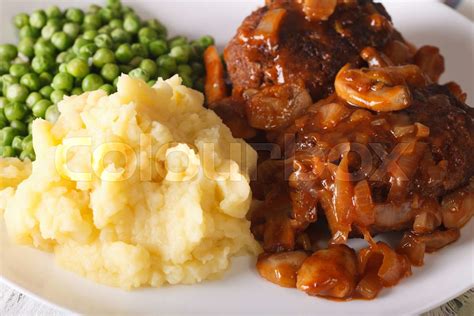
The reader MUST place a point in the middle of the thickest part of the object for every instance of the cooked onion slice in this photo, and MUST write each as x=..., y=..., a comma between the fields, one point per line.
x=392, y=268
x=457, y=208
x=364, y=206
x=319, y=10
x=215, y=88
x=413, y=249
x=281, y=268
x=268, y=29
x=330, y=272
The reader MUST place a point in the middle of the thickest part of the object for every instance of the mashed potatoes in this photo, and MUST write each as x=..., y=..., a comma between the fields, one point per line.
x=143, y=187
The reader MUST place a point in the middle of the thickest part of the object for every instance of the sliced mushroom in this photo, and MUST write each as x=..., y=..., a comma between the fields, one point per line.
x=330, y=272
x=281, y=268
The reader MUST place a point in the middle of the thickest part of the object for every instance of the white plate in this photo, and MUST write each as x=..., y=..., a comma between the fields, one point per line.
x=445, y=275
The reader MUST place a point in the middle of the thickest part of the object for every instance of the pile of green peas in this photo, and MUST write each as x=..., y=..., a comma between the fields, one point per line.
x=62, y=53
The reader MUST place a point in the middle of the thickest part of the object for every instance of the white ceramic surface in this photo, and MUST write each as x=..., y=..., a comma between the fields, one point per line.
x=445, y=275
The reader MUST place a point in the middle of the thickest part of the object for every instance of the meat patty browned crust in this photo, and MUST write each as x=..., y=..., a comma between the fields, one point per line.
x=384, y=148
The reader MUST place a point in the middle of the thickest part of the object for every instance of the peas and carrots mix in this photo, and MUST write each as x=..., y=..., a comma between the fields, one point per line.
x=68, y=52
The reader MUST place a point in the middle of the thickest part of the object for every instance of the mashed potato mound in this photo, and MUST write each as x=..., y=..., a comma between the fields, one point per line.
x=143, y=187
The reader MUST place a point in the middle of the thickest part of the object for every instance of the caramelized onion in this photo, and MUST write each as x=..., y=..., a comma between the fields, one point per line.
x=215, y=88
x=344, y=207
x=281, y=268
x=331, y=114
x=364, y=206
x=422, y=131
x=319, y=10
x=393, y=266
x=330, y=272
x=268, y=29
x=413, y=249
x=457, y=208
x=375, y=58
x=438, y=239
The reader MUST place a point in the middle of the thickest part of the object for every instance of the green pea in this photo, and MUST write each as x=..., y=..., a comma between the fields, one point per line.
x=27, y=156
x=39, y=109
x=80, y=41
x=8, y=52
x=196, y=52
x=124, y=53
x=185, y=70
x=30, y=128
x=46, y=91
x=127, y=10
x=26, y=47
x=54, y=12
x=38, y=19
x=61, y=40
x=116, y=24
x=62, y=68
x=3, y=102
x=131, y=24
x=63, y=81
x=140, y=50
x=31, y=81
x=64, y=57
x=3, y=123
x=48, y=31
x=87, y=51
x=125, y=69
x=108, y=88
x=4, y=67
x=29, y=31
x=180, y=53
x=17, y=143
x=109, y=14
x=93, y=8
x=33, y=98
x=187, y=81
x=120, y=36
x=147, y=35
x=158, y=48
x=78, y=68
x=17, y=93
x=178, y=41
x=52, y=114
x=7, y=134
x=42, y=63
x=103, y=56
x=8, y=80
x=103, y=41
x=15, y=111
x=92, y=82
x=158, y=27
x=44, y=48
x=150, y=67
x=90, y=35
x=21, y=127
x=71, y=29
x=21, y=19
x=136, y=61
x=77, y=91
x=93, y=21
x=206, y=41
x=75, y=15
x=18, y=70
x=57, y=96
x=113, y=3
x=167, y=62
x=106, y=29
x=45, y=78
x=151, y=83
x=139, y=73
x=110, y=71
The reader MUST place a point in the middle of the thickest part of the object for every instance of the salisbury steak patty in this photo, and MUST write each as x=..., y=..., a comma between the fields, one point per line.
x=299, y=50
